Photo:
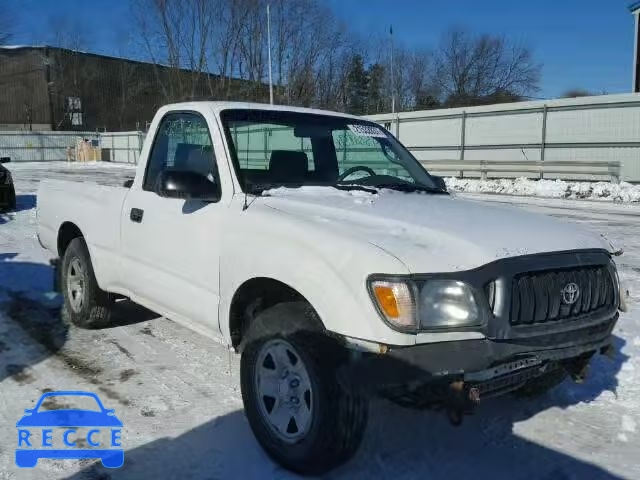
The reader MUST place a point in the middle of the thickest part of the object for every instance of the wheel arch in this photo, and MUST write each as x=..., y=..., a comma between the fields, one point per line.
x=66, y=233
x=256, y=295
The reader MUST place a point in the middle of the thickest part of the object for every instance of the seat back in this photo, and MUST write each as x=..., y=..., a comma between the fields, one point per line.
x=287, y=166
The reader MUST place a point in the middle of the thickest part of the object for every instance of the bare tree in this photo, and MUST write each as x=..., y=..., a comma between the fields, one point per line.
x=474, y=66
x=176, y=35
x=223, y=52
x=71, y=36
x=217, y=49
x=129, y=86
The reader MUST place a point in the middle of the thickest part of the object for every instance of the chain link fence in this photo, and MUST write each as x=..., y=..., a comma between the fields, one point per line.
x=24, y=146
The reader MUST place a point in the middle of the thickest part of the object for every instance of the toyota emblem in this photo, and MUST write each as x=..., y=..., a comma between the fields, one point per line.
x=570, y=293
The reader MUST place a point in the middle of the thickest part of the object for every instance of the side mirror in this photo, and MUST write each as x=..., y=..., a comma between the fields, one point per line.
x=186, y=185
x=28, y=410
x=109, y=411
x=440, y=183
x=5, y=159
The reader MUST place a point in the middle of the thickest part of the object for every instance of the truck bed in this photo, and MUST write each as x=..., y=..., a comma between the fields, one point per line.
x=94, y=209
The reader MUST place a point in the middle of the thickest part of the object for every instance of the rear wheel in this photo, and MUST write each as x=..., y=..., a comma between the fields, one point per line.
x=297, y=410
x=85, y=304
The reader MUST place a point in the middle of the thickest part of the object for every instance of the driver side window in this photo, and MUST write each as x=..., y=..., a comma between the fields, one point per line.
x=181, y=143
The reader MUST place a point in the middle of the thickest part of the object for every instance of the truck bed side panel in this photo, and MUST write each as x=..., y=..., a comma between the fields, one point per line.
x=95, y=210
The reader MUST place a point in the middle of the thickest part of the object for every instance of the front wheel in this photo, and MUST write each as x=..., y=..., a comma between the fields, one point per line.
x=297, y=410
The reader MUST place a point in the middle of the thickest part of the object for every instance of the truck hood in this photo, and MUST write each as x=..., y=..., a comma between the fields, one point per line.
x=431, y=233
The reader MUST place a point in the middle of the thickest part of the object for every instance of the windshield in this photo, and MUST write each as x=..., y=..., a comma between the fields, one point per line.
x=274, y=148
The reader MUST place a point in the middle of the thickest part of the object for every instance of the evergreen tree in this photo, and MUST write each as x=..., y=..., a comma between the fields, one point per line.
x=357, y=86
x=426, y=101
x=376, y=97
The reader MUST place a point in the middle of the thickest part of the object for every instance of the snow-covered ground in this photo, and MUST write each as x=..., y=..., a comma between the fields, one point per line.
x=178, y=396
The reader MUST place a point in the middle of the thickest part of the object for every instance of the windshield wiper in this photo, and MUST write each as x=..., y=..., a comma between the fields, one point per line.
x=355, y=186
x=405, y=187
x=259, y=188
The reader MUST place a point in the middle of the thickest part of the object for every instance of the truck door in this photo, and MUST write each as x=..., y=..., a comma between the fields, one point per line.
x=170, y=246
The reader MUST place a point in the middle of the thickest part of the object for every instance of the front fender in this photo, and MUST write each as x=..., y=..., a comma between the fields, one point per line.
x=326, y=267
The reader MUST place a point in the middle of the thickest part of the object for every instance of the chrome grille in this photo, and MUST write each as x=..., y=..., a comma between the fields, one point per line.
x=538, y=297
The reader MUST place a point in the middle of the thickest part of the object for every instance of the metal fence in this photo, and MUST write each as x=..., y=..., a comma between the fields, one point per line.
x=609, y=171
x=25, y=146
x=590, y=138
x=121, y=147
x=581, y=133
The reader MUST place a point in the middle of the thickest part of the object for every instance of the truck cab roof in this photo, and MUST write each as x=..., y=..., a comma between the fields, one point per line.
x=218, y=106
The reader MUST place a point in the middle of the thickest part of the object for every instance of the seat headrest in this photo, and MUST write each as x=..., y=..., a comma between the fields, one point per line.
x=287, y=166
x=182, y=154
x=194, y=158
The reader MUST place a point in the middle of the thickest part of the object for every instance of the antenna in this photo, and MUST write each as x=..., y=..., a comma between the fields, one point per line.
x=244, y=179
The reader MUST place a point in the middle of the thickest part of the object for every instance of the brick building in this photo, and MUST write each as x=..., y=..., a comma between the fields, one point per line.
x=48, y=88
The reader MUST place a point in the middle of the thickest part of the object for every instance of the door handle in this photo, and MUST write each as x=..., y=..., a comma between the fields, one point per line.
x=136, y=215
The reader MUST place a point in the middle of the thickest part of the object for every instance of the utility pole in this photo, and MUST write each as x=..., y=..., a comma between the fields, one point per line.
x=393, y=87
x=269, y=53
x=393, y=80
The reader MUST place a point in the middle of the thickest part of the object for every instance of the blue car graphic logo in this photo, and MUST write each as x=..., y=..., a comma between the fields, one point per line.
x=99, y=421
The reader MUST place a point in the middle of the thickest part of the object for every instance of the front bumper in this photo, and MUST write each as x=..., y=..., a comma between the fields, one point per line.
x=473, y=361
x=525, y=325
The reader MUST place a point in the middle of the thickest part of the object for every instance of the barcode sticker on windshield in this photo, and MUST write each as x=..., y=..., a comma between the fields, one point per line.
x=367, y=131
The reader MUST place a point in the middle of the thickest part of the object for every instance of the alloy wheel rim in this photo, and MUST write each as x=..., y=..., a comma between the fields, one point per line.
x=76, y=284
x=284, y=391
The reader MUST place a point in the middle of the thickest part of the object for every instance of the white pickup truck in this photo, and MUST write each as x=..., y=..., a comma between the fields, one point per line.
x=318, y=247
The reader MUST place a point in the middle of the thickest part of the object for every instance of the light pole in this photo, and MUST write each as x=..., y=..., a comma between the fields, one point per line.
x=269, y=53
x=393, y=80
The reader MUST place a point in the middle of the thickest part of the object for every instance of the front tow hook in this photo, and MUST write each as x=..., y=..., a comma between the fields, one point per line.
x=461, y=400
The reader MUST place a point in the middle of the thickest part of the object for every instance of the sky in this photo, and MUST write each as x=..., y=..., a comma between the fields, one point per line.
x=584, y=44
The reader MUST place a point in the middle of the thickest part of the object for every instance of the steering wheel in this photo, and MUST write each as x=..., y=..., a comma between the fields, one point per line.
x=355, y=169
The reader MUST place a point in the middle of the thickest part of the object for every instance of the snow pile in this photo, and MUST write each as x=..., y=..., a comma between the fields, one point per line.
x=617, y=192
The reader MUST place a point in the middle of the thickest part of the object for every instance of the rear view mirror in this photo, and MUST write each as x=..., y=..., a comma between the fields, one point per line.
x=5, y=159
x=311, y=131
x=186, y=185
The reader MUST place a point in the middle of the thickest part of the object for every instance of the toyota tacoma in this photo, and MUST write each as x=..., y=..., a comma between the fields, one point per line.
x=316, y=246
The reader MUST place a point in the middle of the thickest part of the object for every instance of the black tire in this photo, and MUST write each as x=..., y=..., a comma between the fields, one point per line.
x=12, y=198
x=540, y=385
x=95, y=308
x=338, y=418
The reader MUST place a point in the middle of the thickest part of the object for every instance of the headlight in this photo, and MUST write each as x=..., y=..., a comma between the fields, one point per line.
x=430, y=304
x=447, y=303
x=395, y=301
